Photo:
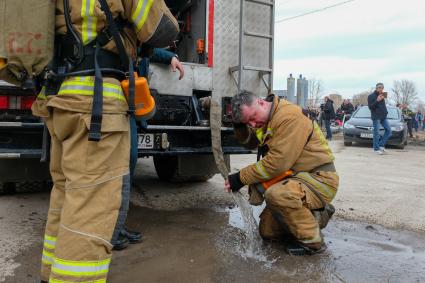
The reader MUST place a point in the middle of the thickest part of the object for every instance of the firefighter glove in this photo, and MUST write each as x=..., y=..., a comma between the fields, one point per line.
x=235, y=182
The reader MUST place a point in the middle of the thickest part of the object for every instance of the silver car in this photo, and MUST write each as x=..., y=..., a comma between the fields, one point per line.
x=360, y=129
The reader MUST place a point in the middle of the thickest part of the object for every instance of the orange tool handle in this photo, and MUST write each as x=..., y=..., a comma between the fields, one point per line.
x=276, y=179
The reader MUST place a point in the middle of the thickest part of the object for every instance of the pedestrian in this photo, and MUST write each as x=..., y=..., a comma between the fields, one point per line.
x=423, y=123
x=347, y=107
x=321, y=115
x=88, y=121
x=378, y=109
x=328, y=116
x=288, y=141
x=409, y=121
x=420, y=119
x=161, y=56
x=416, y=121
x=313, y=114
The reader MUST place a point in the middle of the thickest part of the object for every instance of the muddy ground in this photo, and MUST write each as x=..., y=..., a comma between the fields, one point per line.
x=194, y=232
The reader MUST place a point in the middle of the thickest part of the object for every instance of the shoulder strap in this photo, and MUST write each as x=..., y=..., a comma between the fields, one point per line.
x=126, y=62
x=113, y=30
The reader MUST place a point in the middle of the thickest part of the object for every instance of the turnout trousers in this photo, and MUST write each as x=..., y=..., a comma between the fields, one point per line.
x=89, y=179
x=288, y=208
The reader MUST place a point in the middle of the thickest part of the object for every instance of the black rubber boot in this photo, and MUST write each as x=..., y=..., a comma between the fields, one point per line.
x=121, y=243
x=300, y=249
x=132, y=236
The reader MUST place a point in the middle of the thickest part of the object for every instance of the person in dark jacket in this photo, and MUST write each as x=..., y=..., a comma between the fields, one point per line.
x=407, y=116
x=347, y=107
x=155, y=55
x=378, y=109
x=328, y=115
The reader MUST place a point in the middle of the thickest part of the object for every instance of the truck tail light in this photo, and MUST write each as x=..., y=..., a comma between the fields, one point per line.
x=26, y=102
x=4, y=102
x=229, y=109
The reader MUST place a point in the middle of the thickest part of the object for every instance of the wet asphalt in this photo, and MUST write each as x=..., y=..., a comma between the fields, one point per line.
x=195, y=233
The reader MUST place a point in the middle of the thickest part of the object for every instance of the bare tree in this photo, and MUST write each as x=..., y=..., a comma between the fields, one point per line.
x=315, y=89
x=361, y=98
x=420, y=106
x=404, y=92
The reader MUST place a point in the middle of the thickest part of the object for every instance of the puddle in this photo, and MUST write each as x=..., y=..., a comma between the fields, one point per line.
x=206, y=245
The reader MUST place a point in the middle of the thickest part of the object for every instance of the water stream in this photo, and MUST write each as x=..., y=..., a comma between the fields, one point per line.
x=252, y=247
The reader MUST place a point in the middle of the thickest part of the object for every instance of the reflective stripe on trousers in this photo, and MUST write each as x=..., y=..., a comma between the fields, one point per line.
x=48, y=249
x=85, y=86
x=81, y=268
x=91, y=281
x=323, y=188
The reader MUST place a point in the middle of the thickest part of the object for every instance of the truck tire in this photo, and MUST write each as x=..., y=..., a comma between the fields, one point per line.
x=7, y=188
x=10, y=188
x=167, y=170
x=32, y=186
x=347, y=143
x=400, y=146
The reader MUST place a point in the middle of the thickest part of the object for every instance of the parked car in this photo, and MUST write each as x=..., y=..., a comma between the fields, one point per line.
x=359, y=128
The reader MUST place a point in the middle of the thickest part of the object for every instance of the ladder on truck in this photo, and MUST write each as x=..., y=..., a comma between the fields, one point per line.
x=262, y=71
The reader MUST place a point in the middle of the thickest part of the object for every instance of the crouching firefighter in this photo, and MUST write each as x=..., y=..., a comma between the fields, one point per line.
x=296, y=176
x=87, y=112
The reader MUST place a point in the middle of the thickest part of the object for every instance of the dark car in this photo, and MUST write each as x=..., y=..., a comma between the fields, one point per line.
x=359, y=128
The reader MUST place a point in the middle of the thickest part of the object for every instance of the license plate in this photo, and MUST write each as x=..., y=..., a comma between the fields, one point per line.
x=146, y=141
x=366, y=135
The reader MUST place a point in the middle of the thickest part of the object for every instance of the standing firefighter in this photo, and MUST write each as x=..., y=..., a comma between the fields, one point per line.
x=296, y=175
x=90, y=138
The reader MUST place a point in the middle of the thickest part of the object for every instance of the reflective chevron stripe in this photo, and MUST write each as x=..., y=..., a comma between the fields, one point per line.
x=89, y=21
x=141, y=12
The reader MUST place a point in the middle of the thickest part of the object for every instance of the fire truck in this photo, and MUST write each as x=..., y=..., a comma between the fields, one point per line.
x=224, y=45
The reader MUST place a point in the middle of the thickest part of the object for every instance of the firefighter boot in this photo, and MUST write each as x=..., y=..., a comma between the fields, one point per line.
x=121, y=243
x=132, y=236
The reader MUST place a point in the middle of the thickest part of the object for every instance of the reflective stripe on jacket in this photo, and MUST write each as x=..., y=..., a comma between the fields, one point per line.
x=88, y=19
x=145, y=16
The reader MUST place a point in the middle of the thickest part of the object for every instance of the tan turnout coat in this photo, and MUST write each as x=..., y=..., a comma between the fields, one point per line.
x=286, y=135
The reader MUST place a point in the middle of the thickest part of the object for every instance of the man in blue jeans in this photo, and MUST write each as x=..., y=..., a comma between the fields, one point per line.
x=376, y=103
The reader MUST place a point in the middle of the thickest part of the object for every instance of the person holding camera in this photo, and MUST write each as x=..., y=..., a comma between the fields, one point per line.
x=378, y=109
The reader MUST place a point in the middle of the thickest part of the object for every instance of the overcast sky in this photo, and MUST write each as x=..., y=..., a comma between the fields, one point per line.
x=353, y=46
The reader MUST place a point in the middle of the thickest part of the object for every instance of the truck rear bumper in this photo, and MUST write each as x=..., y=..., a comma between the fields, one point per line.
x=187, y=140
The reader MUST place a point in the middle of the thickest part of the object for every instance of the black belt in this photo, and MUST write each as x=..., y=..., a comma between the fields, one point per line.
x=328, y=167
